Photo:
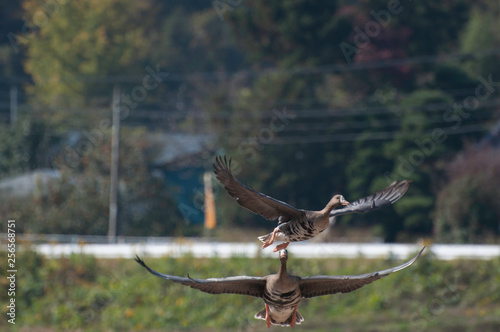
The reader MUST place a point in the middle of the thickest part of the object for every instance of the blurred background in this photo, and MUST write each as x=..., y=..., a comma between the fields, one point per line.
x=309, y=99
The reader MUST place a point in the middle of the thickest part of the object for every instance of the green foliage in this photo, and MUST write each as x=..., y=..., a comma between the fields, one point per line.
x=467, y=210
x=433, y=27
x=82, y=293
x=413, y=29
x=448, y=77
x=24, y=146
x=196, y=35
x=357, y=129
x=480, y=35
x=291, y=33
x=414, y=150
x=84, y=39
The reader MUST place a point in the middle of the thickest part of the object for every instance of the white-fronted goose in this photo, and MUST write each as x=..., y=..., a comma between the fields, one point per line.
x=281, y=292
x=297, y=224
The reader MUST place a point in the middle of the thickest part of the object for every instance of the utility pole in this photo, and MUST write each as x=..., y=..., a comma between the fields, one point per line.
x=13, y=105
x=115, y=149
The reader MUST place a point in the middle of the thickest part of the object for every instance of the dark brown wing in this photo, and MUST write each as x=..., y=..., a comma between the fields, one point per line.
x=253, y=286
x=250, y=199
x=384, y=197
x=324, y=285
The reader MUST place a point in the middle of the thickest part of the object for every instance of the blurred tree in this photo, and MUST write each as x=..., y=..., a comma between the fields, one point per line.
x=481, y=35
x=24, y=147
x=261, y=107
x=368, y=166
x=415, y=148
x=192, y=45
x=11, y=14
x=11, y=23
x=80, y=42
x=355, y=130
x=396, y=30
x=292, y=33
x=452, y=77
x=433, y=27
x=284, y=36
x=191, y=42
x=11, y=57
x=420, y=130
x=467, y=209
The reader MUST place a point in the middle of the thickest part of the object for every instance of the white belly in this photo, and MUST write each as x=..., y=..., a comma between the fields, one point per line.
x=279, y=314
x=281, y=237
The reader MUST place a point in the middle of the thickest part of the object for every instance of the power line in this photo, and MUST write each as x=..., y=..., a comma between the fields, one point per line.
x=364, y=124
x=349, y=137
x=338, y=125
x=336, y=68
x=309, y=113
x=344, y=137
x=292, y=103
x=267, y=114
x=297, y=123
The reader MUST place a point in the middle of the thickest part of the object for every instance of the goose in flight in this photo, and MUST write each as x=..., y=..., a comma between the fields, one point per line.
x=297, y=224
x=281, y=292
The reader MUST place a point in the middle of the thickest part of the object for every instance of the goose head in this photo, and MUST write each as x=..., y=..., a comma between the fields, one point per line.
x=336, y=200
x=282, y=273
x=341, y=199
x=283, y=254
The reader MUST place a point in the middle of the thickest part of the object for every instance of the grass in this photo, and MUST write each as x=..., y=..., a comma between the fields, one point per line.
x=81, y=293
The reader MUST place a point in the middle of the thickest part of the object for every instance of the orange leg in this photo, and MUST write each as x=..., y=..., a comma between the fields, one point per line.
x=268, y=318
x=281, y=246
x=292, y=324
x=271, y=240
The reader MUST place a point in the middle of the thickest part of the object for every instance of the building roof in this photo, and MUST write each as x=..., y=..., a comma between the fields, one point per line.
x=28, y=183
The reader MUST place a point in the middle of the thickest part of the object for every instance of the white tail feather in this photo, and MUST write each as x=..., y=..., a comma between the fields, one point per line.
x=265, y=238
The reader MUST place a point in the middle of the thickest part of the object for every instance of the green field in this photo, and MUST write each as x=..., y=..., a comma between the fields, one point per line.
x=81, y=293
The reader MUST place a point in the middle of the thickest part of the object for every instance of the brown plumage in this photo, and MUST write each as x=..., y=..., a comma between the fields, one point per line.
x=297, y=224
x=281, y=292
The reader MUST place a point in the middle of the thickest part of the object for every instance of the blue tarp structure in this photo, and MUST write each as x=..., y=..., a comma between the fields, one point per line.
x=178, y=159
x=186, y=187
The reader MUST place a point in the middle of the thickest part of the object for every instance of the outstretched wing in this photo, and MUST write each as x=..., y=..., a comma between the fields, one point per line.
x=324, y=285
x=250, y=199
x=253, y=286
x=384, y=197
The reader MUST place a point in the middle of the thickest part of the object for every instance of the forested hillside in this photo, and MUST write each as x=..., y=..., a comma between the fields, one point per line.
x=309, y=98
